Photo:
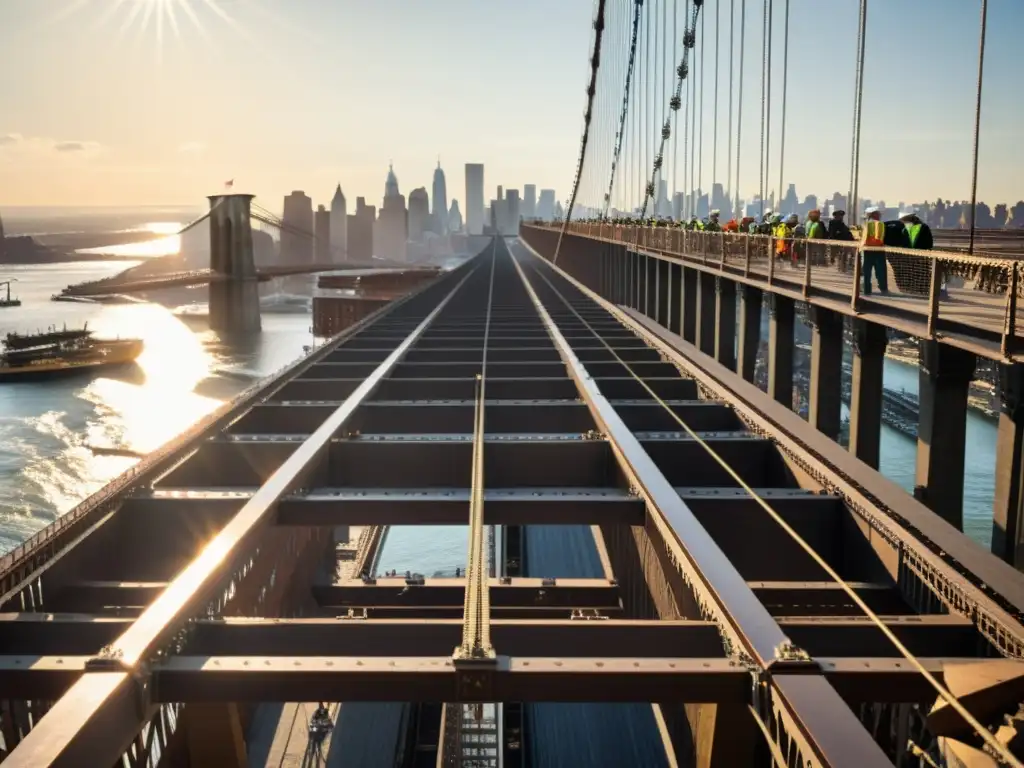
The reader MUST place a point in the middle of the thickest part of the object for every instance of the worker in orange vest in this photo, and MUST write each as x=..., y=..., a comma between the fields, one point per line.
x=872, y=247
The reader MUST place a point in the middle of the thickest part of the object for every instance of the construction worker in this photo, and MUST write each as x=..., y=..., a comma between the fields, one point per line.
x=919, y=237
x=814, y=229
x=784, y=233
x=837, y=229
x=872, y=247
x=713, y=225
x=696, y=225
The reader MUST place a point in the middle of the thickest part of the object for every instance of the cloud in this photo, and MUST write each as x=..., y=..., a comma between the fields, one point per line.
x=192, y=148
x=74, y=146
x=9, y=139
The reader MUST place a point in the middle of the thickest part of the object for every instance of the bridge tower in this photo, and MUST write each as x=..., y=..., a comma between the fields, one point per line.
x=234, y=298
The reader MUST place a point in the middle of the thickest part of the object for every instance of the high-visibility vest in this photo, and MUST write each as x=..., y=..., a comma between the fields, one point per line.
x=874, y=233
x=782, y=231
x=814, y=228
x=913, y=230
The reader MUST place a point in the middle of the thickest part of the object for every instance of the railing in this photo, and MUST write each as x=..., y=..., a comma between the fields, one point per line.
x=981, y=291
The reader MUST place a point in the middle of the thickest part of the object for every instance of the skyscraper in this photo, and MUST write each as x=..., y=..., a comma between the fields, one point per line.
x=440, y=210
x=360, y=232
x=511, y=212
x=393, y=222
x=529, y=209
x=419, y=213
x=297, y=233
x=322, y=234
x=339, y=226
x=474, y=198
x=454, y=217
x=546, y=205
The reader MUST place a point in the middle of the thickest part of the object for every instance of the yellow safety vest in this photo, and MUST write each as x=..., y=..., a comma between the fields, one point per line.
x=874, y=233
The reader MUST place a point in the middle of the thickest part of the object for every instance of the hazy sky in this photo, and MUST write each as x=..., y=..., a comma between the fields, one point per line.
x=98, y=107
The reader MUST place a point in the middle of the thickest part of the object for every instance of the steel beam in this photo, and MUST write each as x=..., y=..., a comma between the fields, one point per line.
x=555, y=638
x=77, y=728
x=749, y=334
x=781, y=319
x=725, y=324
x=521, y=593
x=284, y=678
x=826, y=369
x=869, y=342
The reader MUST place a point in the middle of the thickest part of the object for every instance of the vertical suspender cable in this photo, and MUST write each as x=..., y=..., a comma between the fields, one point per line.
x=768, y=95
x=714, y=129
x=732, y=59
x=764, y=86
x=676, y=213
x=693, y=142
x=739, y=104
x=858, y=90
x=785, y=88
x=977, y=121
x=700, y=135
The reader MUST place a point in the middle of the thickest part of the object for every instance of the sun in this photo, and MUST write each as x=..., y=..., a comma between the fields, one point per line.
x=144, y=17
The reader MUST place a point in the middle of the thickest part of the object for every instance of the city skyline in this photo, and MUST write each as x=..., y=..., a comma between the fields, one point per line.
x=69, y=136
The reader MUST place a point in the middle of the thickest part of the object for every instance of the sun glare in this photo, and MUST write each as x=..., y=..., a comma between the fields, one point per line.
x=160, y=18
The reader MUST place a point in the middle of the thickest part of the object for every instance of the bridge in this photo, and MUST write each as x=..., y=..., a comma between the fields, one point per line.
x=664, y=564
x=197, y=277
x=232, y=276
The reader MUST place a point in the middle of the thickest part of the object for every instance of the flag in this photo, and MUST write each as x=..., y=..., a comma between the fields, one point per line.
x=229, y=183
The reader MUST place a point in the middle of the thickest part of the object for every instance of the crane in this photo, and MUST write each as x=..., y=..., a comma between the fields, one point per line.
x=8, y=301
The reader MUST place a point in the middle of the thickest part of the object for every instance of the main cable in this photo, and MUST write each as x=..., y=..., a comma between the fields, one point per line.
x=595, y=63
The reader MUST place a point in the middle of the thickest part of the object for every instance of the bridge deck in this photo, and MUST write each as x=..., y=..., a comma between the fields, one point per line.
x=226, y=593
x=985, y=322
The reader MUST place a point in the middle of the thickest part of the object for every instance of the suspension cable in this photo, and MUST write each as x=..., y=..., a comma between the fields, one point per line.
x=732, y=60
x=768, y=97
x=595, y=63
x=785, y=88
x=858, y=102
x=739, y=104
x=764, y=85
x=682, y=72
x=977, y=122
x=700, y=124
x=714, y=124
x=624, y=110
x=986, y=735
x=677, y=211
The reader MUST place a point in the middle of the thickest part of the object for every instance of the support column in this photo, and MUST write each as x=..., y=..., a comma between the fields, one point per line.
x=652, y=287
x=725, y=328
x=869, y=342
x=638, y=286
x=750, y=330
x=780, y=348
x=706, y=313
x=214, y=733
x=689, y=304
x=234, y=298
x=1008, y=512
x=826, y=369
x=675, y=288
x=663, y=293
x=946, y=374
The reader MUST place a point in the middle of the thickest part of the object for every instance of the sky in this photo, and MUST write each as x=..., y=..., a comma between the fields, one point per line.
x=110, y=102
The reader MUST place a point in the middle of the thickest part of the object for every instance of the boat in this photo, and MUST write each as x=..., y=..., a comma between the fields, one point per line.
x=53, y=353
x=8, y=301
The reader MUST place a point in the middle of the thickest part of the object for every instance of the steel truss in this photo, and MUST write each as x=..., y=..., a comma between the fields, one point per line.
x=705, y=601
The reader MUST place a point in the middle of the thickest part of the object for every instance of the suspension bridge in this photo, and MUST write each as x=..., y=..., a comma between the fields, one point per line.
x=665, y=565
x=232, y=275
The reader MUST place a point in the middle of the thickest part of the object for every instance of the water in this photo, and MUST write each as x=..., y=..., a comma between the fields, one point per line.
x=46, y=466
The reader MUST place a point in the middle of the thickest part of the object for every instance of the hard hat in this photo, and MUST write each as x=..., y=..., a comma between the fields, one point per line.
x=907, y=214
x=813, y=210
x=839, y=213
x=716, y=212
x=871, y=209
